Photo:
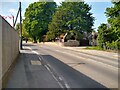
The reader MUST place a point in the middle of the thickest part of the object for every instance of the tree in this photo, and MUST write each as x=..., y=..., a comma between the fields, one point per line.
x=37, y=17
x=71, y=16
x=24, y=32
x=103, y=35
x=113, y=15
x=18, y=28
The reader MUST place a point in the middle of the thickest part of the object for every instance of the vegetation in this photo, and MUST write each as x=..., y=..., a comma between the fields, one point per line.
x=73, y=18
x=25, y=34
x=37, y=17
x=109, y=34
x=45, y=19
x=93, y=48
x=18, y=28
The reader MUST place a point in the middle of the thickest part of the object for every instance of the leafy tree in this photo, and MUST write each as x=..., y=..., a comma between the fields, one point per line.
x=71, y=16
x=102, y=35
x=110, y=36
x=24, y=32
x=18, y=28
x=113, y=15
x=37, y=17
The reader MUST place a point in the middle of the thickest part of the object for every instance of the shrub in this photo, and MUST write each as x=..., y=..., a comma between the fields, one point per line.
x=115, y=45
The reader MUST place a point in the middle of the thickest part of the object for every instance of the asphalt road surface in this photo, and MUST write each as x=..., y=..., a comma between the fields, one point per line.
x=75, y=69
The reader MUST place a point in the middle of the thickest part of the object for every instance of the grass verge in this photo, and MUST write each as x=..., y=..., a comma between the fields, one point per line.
x=98, y=48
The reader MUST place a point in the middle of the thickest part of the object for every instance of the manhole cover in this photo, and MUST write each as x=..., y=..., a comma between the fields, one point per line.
x=33, y=62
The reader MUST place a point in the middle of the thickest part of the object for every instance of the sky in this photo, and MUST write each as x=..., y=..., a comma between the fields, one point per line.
x=10, y=8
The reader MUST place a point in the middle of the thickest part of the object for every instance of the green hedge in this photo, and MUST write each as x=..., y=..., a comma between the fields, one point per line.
x=115, y=45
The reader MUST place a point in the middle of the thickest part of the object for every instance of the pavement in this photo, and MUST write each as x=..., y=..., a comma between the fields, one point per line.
x=30, y=72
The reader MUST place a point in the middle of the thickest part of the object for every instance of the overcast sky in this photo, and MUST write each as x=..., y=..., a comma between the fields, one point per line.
x=9, y=8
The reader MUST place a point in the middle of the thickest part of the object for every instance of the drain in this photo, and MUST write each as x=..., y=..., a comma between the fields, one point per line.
x=33, y=62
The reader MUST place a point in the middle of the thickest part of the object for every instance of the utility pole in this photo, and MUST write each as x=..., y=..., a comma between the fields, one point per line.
x=20, y=26
x=13, y=20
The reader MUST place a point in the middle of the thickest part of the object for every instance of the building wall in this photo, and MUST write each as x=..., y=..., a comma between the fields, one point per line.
x=9, y=45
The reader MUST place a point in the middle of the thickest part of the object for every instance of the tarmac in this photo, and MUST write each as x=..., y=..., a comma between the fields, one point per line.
x=29, y=72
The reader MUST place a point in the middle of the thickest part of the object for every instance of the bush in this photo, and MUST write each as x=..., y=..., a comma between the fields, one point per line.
x=115, y=45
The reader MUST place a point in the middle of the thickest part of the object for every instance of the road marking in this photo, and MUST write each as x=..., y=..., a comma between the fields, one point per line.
x=35, y=52
x=54, y=77
x=39, y=58
x=66, y=85
x=48, y=68
x=60, y=78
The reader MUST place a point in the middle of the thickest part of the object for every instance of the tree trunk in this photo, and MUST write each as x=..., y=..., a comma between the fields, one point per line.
x=35, y=41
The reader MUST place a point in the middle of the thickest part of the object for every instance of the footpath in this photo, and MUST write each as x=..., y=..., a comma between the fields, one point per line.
x=29, y=72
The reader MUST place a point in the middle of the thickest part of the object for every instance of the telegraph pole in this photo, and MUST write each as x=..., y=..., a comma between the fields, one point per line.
x=13, y=20
x=20, y=26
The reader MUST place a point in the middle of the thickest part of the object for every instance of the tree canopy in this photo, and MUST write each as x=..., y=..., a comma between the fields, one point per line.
x=69, y=17
x=113, y=15
x=109, y=34
x=37, y=17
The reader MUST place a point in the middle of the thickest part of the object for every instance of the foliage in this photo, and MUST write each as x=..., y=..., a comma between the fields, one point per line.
x=113, y=15
x=104, y=34
x=109, y=34
x=93, y=48
x=115, y=45
x=18, y=28
x=37, y=17
x=24, y=32
x=69, y=17
x=73, y=35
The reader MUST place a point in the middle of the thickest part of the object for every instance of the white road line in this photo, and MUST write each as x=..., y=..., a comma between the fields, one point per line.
x=40, y=58
x=60, y=78
x=49, y=65
x=66, y=85
x=47, y=68
x=35, y=52
x=54, y=76
x=29, y=48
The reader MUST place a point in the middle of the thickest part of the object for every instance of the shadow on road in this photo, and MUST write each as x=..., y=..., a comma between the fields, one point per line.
x=74, y=78
x=28, y=76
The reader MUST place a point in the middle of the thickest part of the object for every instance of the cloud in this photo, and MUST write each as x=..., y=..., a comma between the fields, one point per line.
x=13, y=11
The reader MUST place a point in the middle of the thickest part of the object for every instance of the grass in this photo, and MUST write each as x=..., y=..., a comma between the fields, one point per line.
x=93, y=48
x=98, y=48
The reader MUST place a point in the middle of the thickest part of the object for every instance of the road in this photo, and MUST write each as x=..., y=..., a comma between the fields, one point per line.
x=75, y=69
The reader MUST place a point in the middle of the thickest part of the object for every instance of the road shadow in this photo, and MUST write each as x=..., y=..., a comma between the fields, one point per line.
x=74, y=78
x=28, y=76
